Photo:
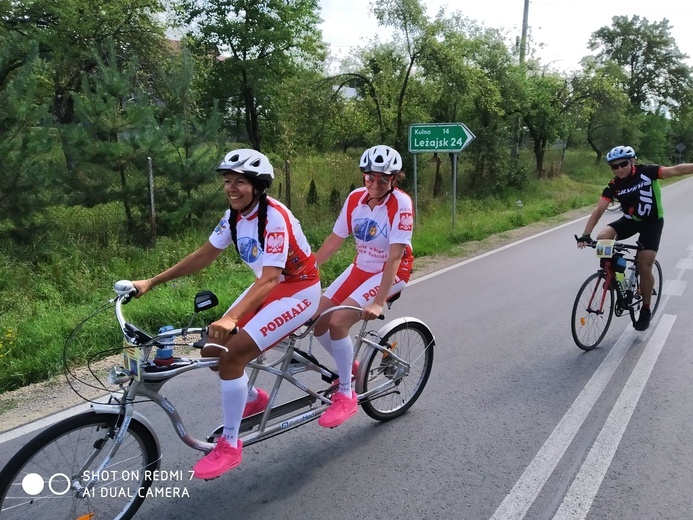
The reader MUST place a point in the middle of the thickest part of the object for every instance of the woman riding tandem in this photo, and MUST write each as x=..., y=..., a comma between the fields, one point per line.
x=380, y=217
x=270, y=241
x=636, y=187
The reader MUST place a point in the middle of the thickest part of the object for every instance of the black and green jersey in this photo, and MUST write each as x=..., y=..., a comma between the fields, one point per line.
x=640, y=194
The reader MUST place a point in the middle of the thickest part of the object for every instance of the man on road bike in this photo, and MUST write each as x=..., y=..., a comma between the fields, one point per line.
x=284, y=295
x=380, y=217
x=636, y=187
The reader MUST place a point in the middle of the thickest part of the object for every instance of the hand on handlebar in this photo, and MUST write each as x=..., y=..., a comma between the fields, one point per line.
x=221, y=329
x=142, y=286
x=583, y=241
x=372, y=311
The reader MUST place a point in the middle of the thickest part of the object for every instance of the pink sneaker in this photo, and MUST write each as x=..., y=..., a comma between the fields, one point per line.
x=340, y=410
x=257, y=406
x=218, y=461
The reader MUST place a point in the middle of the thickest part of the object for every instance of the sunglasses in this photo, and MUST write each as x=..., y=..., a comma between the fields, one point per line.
x=616, y=166
x=369, y=178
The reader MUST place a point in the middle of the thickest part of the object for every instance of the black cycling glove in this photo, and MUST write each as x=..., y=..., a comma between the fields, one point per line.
x=584, y=238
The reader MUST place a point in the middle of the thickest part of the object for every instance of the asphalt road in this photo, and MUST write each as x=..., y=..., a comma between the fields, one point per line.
x=516, y=421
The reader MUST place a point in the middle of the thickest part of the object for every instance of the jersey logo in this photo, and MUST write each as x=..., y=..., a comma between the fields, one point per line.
x=366, y=229
x=274, y=243
x=249, y=249
x=221, y=226
x=406, y=222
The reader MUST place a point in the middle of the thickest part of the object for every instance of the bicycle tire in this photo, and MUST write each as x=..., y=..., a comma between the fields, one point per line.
x=61, y=453
x=588, y=326
x=613, y=206
x=414, y=343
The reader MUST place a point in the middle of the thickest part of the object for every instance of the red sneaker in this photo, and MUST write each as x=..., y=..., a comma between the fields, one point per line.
x=218, y=461
x=340, y=410
x=257, y=406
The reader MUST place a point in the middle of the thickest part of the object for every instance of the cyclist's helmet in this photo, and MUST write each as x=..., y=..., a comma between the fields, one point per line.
x=381, y=159
x=251, y=163
x=620, y=152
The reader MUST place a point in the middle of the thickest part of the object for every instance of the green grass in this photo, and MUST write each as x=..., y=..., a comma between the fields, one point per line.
x=49, y=286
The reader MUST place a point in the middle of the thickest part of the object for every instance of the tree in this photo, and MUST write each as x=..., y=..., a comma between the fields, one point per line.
x=71, y=33
x=605, y=112
x=416, y=35
x=260, y=42
x=27, y=168
x=654, y=68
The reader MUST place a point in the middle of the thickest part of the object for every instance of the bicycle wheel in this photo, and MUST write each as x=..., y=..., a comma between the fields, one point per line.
x=592, y=312
x=614, y=205
x=656, y=288
x=46, y=479
x=410, y=341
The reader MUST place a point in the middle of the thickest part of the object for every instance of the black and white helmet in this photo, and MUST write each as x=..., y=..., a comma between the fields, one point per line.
x=251, y=163
x=381, y=159
x=620, y=152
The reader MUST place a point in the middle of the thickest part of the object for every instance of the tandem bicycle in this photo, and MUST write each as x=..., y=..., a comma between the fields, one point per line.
x=92, y=451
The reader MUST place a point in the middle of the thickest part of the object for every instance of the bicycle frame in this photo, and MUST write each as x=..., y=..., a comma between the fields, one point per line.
x=294, y=361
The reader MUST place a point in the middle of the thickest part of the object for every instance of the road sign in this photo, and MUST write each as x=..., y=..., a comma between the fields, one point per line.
x=439, y=137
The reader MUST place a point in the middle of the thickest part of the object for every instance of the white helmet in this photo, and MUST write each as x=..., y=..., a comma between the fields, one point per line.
x=620, y=152
x=381, y=159
x=251, y=163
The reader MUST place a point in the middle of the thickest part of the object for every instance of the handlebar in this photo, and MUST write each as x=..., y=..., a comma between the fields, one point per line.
x=619, y=246
x=126, y=290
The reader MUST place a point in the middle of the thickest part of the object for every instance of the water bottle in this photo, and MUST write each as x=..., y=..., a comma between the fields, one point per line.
x=164, y=354
x=620, y=273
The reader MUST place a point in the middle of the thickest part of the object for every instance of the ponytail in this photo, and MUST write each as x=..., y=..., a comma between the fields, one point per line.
x=261, y=222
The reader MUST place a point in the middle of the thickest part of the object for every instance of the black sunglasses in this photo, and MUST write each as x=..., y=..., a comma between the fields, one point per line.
x=616, y=166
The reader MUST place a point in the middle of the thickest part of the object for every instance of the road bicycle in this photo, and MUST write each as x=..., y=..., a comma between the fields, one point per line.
x=103, y=463
x=613, y=289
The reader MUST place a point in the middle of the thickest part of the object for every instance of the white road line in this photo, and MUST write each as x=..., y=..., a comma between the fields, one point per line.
x=580, y=496
x=527, y=488
x=47, y=421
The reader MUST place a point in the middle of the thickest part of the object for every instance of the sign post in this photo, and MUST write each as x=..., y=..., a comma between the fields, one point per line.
x=439, y=138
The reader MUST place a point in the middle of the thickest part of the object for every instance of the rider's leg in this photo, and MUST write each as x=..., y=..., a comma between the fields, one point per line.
x=608, y=233
x=341, y=345
x=646, y=260
x=227, y=453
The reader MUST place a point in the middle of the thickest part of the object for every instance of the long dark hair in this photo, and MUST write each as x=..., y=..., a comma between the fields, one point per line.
x=261, y=221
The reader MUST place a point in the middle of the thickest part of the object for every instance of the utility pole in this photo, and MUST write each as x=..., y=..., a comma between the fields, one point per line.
x=523, y=48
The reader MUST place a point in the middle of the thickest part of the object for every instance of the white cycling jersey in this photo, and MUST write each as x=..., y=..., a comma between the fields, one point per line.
x=374, y=230
x=285, y=244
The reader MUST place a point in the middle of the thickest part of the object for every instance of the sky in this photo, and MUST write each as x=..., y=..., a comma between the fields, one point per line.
x=560, y=29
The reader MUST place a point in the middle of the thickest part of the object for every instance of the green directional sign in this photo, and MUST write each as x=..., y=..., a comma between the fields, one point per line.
x=439, y=137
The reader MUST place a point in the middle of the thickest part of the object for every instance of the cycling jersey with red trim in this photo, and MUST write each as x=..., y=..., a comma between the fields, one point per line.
x=374, y=230
x=640, y=194
x=285, y=244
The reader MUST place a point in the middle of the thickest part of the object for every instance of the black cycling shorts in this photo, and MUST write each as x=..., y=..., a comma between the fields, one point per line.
x=650, y=232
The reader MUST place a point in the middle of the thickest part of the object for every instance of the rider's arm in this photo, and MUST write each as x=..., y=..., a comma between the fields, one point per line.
x=251, y=301
x=673, y=171
x=596, y=214
x=394, y=257
x=196, y=261
x=329, y=247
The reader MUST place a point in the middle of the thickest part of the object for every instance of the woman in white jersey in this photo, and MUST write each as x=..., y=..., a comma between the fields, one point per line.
x=284, y=295
x=380, y=217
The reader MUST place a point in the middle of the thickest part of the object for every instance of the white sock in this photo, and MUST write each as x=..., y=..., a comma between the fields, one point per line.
x=253, y=394
x=325, y=341
x=343, y=354
x=234, y=394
